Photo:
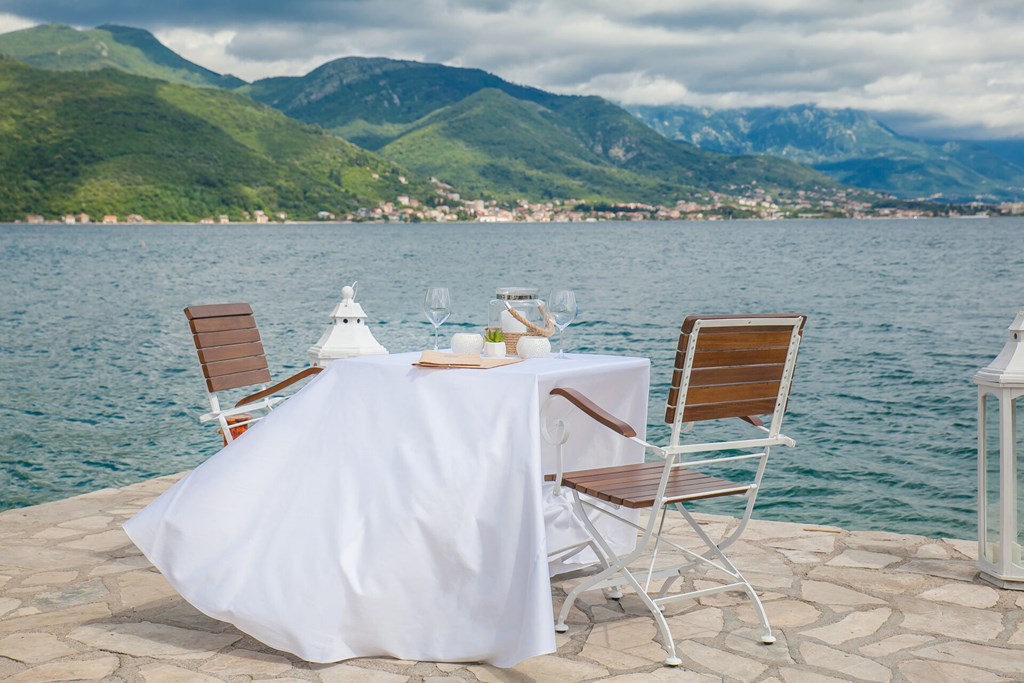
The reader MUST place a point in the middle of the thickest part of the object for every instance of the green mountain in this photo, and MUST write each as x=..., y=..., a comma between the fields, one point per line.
x=492, y=138
x=849, y=145
x=106, y=142
x=458, y=143
x=371, y=101
x=62, y=48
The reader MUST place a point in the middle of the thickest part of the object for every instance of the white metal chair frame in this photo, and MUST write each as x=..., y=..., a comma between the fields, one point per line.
x=232, y=357
x=674, y=456
x=243, y=406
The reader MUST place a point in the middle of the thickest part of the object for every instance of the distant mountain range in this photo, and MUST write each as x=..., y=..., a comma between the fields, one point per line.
x=107, y=142
x=492, y=138
x=484, y=136
x=852, y=147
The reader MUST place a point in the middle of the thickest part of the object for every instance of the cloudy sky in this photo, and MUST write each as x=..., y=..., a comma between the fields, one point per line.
x=929, y=67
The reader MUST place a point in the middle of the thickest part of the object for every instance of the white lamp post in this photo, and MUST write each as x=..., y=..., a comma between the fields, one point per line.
x=348, y=336
x=1000, y=516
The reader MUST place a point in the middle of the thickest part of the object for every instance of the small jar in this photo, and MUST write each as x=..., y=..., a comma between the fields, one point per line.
x=527, y=307
x=533, y=347
x=466, y=342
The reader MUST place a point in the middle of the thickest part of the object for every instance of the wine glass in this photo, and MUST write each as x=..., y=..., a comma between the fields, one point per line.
x=563, y=309
x=437, y=305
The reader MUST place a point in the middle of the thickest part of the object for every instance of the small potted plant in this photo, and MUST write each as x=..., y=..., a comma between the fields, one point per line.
x=494, y=343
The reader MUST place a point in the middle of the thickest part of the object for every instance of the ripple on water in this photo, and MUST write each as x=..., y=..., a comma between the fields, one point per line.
x=106, y=390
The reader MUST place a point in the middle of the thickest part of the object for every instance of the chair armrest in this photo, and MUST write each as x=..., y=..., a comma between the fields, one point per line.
x=302, y=374
x=595, y=411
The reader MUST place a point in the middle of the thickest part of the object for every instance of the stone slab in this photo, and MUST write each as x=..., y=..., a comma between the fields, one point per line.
x=93, y=669
x=145, y=639
x=851, y=627
x=1008, y=661
x=921, y=671
x=79, y=614
x=246, y=663
x=33, y=648
x=833, y=594
x=166, y=673
x=720, y=662
x=965, y=594
x=952, y=621
x=844, y=663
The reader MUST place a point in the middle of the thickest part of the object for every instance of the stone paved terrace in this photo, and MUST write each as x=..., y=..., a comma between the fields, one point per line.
x=78, y=602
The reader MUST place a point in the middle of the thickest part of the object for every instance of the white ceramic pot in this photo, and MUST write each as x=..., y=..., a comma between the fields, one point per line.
x=494, y=349
x=533, y=347
x=466, y=342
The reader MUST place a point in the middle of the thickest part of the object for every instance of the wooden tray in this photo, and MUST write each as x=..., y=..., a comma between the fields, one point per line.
x=469, y=361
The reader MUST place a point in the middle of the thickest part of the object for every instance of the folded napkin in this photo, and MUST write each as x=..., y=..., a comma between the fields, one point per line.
x=439, y=359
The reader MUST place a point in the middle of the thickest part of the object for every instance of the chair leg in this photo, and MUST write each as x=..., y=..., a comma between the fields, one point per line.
x=666, y=634
x=618, y=565
x=560, y=626
x=766, y=635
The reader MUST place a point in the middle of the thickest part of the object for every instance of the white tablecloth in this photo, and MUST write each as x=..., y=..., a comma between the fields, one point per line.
x=389, y=510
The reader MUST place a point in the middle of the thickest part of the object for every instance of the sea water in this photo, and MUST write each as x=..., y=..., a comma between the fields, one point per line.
x=100, y=386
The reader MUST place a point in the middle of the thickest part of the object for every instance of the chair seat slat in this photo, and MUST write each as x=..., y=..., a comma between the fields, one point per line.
x=602, y=471
x=718, y=411
x=229, y=352
x=638, y=491
x=230, y=337
x=734, y=357
x=738, y=374
x=732, y=392
x=678, y=479
x=234, y=322
x=217, y=310
x=620, y=481
x=690, y=321
x=641, y=491
x=641, y=475
x=737, y=339
x=645, y=499
x=238, y=380
x=235, y=365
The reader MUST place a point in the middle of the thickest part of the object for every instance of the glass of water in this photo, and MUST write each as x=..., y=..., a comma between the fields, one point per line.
x=437, y=306
x=563, y=309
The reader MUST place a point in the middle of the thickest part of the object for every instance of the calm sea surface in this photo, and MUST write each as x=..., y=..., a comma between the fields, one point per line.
x=99, y=383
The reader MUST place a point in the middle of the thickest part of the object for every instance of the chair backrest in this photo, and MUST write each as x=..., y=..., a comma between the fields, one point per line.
x=733, y=366
x=229, y=346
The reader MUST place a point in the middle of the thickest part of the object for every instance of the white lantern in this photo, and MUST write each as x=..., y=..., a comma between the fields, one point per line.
x=1000, y=502
x=348, y=336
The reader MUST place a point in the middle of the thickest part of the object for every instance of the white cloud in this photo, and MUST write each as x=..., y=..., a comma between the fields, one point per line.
x=943, y=64
x=10, y=22
x=636, y=88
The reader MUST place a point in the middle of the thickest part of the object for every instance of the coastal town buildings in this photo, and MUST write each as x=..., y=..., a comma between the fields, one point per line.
x=749, y=202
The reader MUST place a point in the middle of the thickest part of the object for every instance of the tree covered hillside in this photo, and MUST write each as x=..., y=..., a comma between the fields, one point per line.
x=105, y=142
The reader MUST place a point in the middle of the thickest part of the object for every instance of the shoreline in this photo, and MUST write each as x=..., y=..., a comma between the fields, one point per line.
x=519, y=222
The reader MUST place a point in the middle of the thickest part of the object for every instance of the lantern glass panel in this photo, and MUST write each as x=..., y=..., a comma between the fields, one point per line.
x=1018, y=458
x=992, y=517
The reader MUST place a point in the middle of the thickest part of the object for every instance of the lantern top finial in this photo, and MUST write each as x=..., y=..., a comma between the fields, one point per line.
x=1007, y=370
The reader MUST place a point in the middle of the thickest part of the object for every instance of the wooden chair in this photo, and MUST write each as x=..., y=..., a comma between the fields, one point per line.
x=231, y=354
x=726, y=367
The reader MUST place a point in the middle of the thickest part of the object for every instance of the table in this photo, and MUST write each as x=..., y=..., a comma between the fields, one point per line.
x=390, y=510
